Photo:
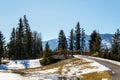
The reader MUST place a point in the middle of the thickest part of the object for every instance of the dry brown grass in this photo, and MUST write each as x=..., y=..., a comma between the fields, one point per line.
x=60, y=64
x=96, y=76
x=55, y=65
x=76, y=62
x=63, y=65
x=88, y=67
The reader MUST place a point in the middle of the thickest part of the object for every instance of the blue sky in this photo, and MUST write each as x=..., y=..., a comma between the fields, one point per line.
x=50, y=16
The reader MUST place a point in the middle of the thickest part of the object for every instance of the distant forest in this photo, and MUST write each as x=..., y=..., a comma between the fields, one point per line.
x=27, y=44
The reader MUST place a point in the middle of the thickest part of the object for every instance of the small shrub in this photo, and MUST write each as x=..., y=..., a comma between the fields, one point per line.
x=45, y=61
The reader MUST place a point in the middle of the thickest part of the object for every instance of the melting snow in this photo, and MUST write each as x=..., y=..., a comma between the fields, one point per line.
x=10, y=76
x=21, y=64
x=72, y=70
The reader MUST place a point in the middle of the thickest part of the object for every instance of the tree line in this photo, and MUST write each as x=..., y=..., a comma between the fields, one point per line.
x=76, y=43
x=25, y=44
x=95, y=48
x=114, y=52
x=76, y=39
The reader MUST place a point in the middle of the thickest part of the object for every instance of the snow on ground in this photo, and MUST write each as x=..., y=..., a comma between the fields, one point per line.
x=50, y=71
x=10, y=76
x=86, y=68
x=71, y=68
x=13, y=76
x=99, y=67
x=21, y=64
x=111, y=61
x=74, y=68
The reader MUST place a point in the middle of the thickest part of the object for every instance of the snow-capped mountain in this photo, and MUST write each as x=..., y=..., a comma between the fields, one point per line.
x=106, y=40
x=105, y=43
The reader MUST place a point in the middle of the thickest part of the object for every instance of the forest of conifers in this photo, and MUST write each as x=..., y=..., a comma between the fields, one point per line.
x=27, y=44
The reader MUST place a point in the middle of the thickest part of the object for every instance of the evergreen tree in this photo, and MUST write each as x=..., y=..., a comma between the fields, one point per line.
x=47, y=50
x=23, y=43
x=20, y=51
x=71, y=41
x=27, y=38
x=78, y=37
x=2, y=44
x=12, y=45
x=46, y=59
x=95, y=42
x=34, y=50
x=83, y=40
x=37, y=45
x=62, y=41
x=116, y=46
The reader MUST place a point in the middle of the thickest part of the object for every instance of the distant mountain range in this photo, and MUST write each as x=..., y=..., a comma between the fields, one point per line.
x=106, y=41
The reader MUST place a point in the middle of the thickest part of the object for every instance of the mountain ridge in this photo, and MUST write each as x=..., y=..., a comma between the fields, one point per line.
x=105, y=43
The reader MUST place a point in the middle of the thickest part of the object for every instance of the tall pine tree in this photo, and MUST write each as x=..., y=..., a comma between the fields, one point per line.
x=78, y=37
x=20, y=51
x=23, y=43
x=12, y=45
x=2, y=45
x=95, y=42
x=82, y=40
x=116, y=46
x=27, y=38
x=62, y=41
x=46, y=59
x=71, y=41
x=37, y=45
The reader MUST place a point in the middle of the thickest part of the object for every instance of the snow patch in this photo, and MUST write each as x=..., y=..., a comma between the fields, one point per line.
x=111, y=61
x=10, y=76
x=70, y=69
x=50, y=71
x=106, y=43
x=22, y=64
x=97, y=67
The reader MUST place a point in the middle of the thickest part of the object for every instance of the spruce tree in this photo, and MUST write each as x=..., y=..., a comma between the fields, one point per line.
x=34, y=50
x=27, y=38
x=77, y=37
x=71, y=41
x=2, y=45
x=95, y=42
x=20, y=51
x=83, y=40
x=24, y=44
x=12, y=45
x=47, y=50
x=116, y=46
x=37, y=45
x=62, y=41
x=46, y=59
